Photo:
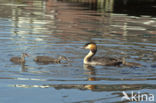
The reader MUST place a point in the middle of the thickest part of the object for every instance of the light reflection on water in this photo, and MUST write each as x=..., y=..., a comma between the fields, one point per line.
x=58, y=28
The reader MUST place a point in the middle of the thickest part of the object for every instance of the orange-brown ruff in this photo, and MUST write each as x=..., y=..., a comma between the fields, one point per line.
x=19, y=60
x=107, y=61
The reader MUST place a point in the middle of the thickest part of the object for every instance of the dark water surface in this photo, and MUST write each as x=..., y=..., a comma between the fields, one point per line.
x=56, y=28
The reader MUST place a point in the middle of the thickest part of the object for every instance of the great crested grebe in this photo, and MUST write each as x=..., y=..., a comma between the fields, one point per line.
x=49, y=60
x=105, y=61
x=19, y=60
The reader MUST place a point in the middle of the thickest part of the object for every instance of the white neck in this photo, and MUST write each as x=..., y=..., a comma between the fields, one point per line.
x=88, y=57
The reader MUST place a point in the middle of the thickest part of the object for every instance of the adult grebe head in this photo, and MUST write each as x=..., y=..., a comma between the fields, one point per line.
x=91, y=46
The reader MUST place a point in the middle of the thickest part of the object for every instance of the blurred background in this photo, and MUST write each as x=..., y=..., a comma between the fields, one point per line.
x=121, y=28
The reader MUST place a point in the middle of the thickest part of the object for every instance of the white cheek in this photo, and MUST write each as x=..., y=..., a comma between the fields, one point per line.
x=88, y=47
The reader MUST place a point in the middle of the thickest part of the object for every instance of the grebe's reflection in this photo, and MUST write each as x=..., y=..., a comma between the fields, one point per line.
x=91, y=76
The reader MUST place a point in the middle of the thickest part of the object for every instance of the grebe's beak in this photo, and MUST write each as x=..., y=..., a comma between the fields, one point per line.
x=82, y=47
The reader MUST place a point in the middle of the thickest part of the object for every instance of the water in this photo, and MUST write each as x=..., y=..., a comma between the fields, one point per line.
x=56, y=28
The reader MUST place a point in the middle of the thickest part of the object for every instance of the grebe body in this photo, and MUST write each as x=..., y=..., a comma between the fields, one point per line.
x=48, y=60
x=19, y=60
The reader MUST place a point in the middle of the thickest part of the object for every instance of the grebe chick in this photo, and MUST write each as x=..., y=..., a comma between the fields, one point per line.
x=19, y=60
x=130, y=64
x=49, y=60
x=105, y=61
